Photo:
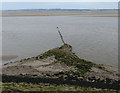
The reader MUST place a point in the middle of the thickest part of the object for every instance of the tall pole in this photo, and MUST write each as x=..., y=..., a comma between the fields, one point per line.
x=60, y=35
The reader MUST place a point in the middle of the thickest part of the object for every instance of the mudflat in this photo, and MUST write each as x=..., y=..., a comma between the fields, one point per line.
x=60, y=13
x=7, y=57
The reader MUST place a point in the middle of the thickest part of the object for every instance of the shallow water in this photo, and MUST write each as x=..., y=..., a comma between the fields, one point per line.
x=92, y=38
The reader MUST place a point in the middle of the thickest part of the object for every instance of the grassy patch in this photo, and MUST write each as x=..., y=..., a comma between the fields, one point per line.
x=45, y=87
x=63, y=55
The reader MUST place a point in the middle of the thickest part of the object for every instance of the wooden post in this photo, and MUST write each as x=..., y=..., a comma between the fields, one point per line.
x=60, y=35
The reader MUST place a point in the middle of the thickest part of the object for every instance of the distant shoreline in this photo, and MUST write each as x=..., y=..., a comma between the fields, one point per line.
x=60, y=13
x=63, y=10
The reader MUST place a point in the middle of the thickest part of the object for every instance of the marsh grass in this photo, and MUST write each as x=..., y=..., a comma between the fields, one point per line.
x=46, y=87
x=64, y=55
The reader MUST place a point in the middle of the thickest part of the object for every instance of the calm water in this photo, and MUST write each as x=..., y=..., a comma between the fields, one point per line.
x=92, y=38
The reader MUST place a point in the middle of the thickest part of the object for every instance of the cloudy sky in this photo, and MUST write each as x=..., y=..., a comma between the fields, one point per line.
x=52, y=4
x=60, y=0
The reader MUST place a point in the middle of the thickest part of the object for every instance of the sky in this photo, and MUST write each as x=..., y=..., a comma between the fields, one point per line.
x=60, y=0
x=62, y=5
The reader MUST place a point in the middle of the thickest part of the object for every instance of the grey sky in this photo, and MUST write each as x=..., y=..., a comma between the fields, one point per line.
x=62, y=5
x=61, y=0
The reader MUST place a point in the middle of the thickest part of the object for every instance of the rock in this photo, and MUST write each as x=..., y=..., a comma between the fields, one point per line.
x=60, y=60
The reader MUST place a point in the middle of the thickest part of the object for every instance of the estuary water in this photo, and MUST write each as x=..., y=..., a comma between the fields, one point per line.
x=93, y=38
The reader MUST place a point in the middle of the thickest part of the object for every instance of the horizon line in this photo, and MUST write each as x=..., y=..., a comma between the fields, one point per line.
x=59, y=9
